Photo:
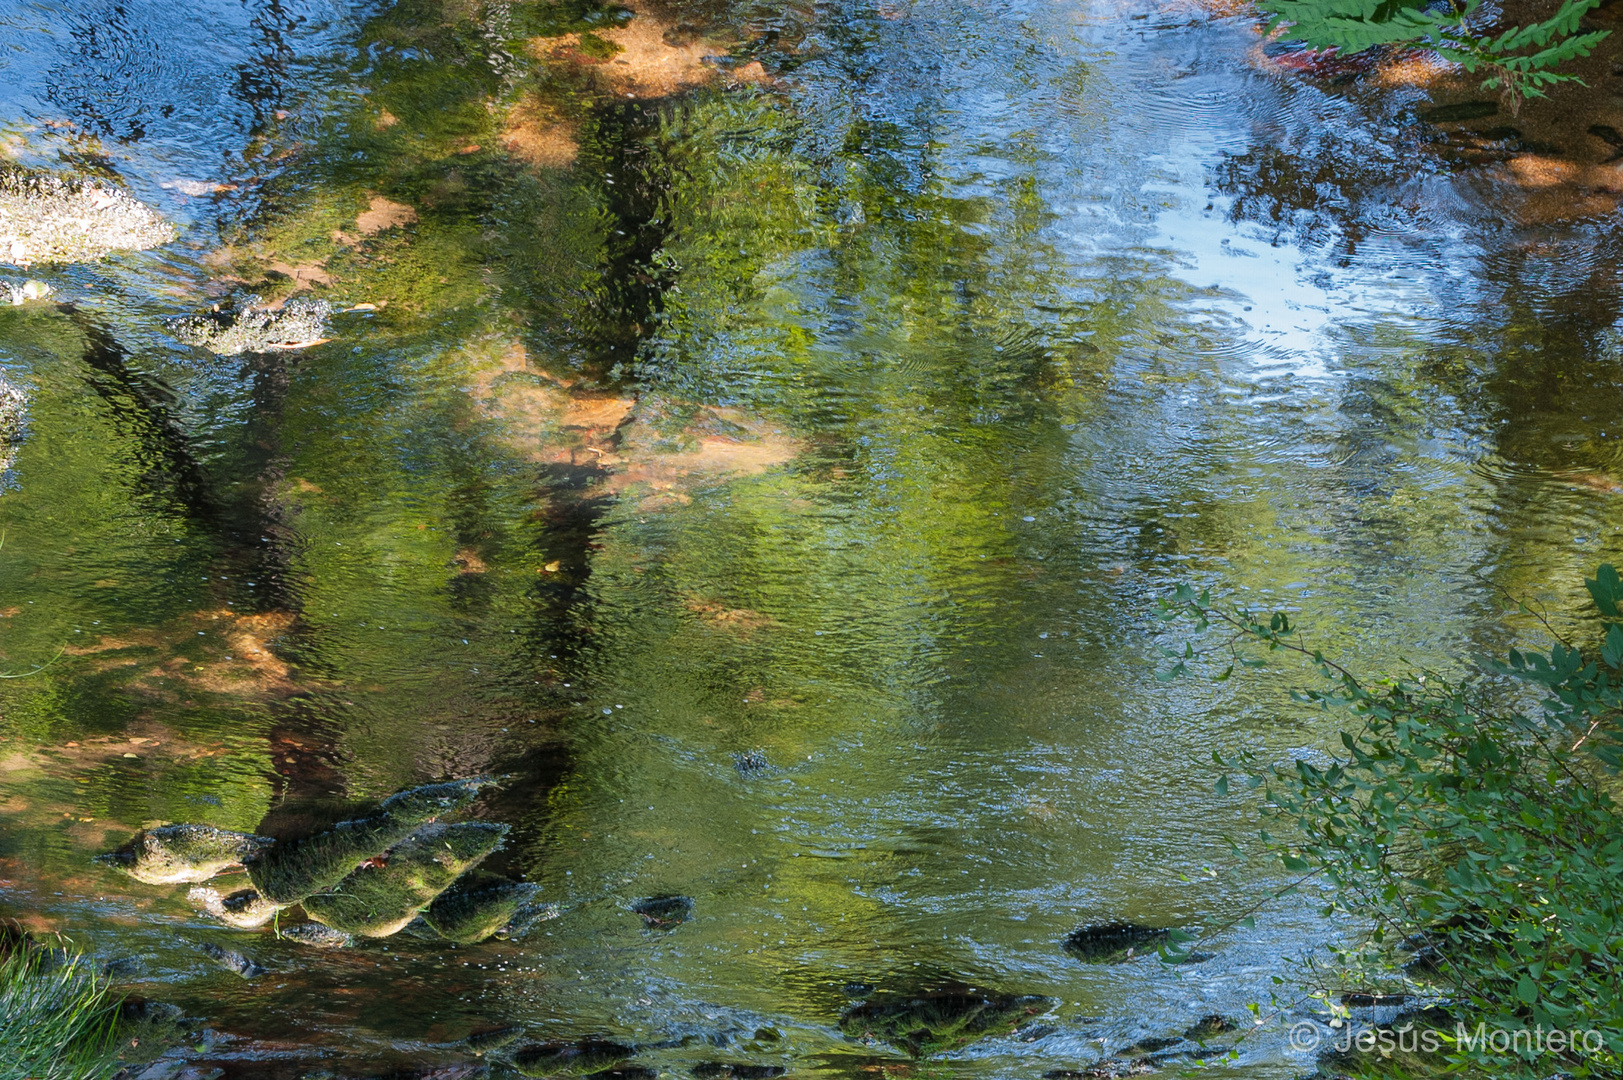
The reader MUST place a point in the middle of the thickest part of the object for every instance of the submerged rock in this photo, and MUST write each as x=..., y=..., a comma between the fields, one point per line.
x=751, y=762
x=298, y=324
x=46, y=219
x=664, y=911
x=287, y=873
x=1208, y=1026
x=12, y=403
x=1110, y=1069
x=233, y=961
x=175, y=854
x=471, y=911
x=379, y=900
x=940, y=1020
x=1110, y=943
x=570, y=1059
x=317, y=936
x=245, y=909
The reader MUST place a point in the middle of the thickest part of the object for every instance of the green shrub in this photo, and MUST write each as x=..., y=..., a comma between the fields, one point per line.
x=1481, y=845
x=1520, y=61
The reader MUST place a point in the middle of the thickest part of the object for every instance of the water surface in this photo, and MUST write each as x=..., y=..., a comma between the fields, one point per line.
x=841, y=390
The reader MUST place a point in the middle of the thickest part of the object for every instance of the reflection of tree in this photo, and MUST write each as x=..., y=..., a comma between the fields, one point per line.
x=1323, y=191
x=264, y=77
x=1519, y=365
x=103, y=84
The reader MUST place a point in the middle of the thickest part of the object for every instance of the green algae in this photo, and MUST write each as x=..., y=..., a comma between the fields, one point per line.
x=376, y=901
x=175, y=854
x=472, y=910
x=287, y=873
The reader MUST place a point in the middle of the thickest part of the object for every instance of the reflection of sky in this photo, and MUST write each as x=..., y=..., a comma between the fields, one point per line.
x=1122, y=131
x=172, y=91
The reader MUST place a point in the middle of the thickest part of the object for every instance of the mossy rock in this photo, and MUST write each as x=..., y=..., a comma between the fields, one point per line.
x=570, y=1059
x=244, y=909
x=287, y=873
x=379, y=900
x=475, y=908
x=49, y=219
x=249, y=329
x=936, y=1021
x=1113, y=942
x=176, y=854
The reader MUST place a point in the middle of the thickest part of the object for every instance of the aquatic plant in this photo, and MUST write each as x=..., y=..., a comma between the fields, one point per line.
x=287, y=873
x=473, y=909
x=176, y=854
x=57, y=1016
x=1480, y=842
x=1520, y=61
x=379, y=900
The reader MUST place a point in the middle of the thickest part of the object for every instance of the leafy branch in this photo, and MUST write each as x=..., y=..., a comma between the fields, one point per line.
x=1520, y=62
x=1480, y=846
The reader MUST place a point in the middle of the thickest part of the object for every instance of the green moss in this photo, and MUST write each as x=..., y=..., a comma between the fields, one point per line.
x=376, y=901
x=182, y=853
x=472, y=910
x=287, y=873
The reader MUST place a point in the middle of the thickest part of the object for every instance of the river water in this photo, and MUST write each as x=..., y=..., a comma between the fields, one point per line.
x=765, y=445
